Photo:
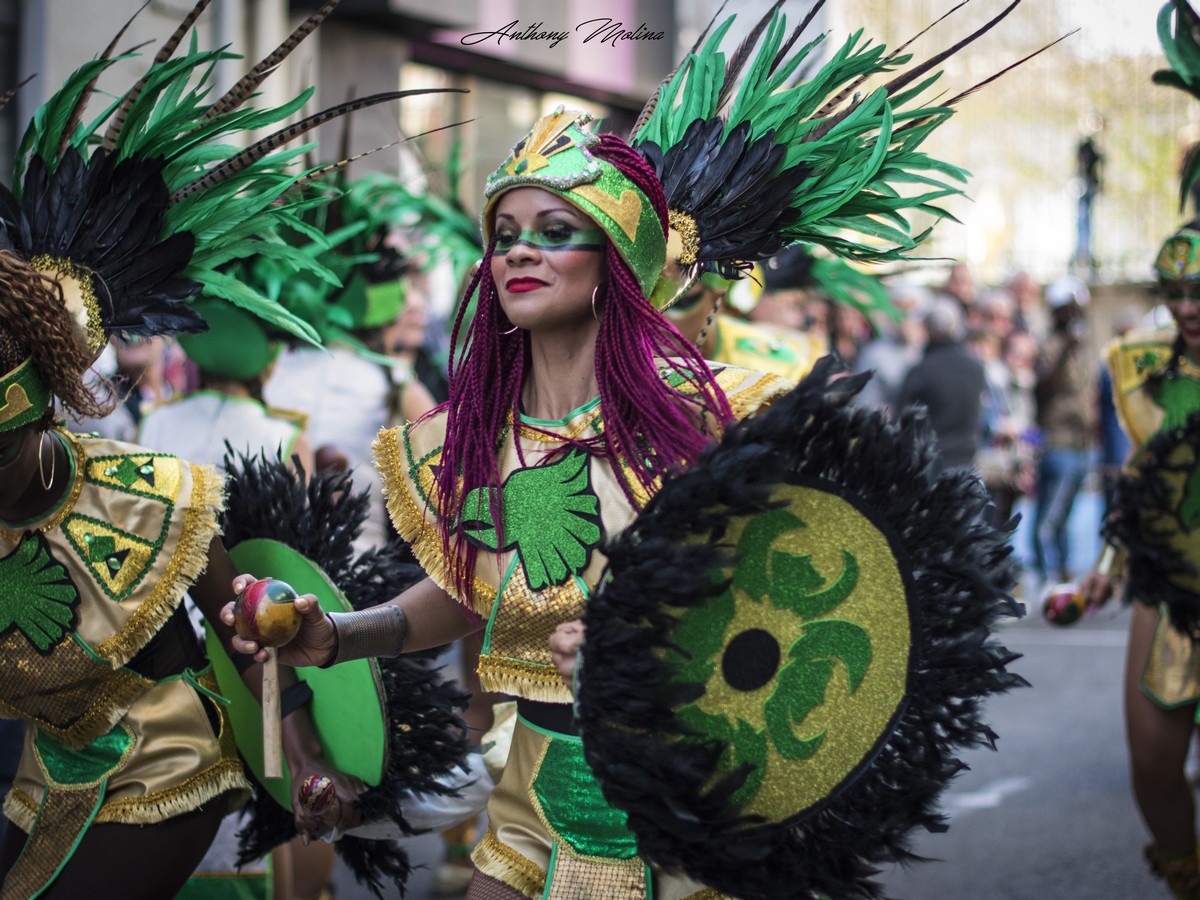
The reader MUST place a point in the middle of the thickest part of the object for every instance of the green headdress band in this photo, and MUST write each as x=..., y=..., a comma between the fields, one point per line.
x=1179, y=258
x=555, y=156
x=236, y=344
x=24, y=397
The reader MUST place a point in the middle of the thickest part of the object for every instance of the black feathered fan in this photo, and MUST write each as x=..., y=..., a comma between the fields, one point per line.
x=790, y=646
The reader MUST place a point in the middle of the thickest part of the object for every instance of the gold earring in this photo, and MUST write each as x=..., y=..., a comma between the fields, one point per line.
x=46, y=483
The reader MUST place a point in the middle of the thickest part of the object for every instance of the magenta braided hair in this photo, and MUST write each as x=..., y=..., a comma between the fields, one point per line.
x=647, y=424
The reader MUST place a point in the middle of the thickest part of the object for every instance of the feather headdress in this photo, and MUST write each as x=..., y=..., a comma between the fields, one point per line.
x=132, y=231
x=1179, y=34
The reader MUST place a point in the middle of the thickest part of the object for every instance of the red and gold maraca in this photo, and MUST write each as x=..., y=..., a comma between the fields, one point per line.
x=316, y=793
x=264, y=613
x=1062, y=604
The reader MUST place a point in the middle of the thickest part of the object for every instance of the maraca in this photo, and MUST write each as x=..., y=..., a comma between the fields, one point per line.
x=1062, y=604
x=317, y=792
x=264, y=613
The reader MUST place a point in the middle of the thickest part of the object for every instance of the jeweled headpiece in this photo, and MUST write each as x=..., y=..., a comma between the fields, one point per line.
x=556, y=156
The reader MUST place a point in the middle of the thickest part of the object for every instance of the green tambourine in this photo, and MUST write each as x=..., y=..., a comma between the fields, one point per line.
x=790, y=645
x=348, y=701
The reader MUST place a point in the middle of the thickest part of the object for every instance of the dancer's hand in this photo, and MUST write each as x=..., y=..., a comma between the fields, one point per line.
x=324, y=800
x=314, y=645
x=1097, y=589
x=564, y=645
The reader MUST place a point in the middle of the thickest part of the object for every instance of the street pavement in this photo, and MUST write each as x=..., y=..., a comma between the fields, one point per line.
x=1049, y=815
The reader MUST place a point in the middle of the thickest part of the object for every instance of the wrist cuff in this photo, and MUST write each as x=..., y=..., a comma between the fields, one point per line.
x=378, y=631
x=1111, y=562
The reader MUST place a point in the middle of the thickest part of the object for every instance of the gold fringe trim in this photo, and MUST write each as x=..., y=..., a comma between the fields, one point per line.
x=505, y=864
x=759, y=396
x=529, y=680
x=708, y=894
x=20, y=809
x=188, y=562
x=410, y=521
x=226, y=775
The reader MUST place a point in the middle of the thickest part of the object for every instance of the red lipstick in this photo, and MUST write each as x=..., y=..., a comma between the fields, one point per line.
x=520, y=285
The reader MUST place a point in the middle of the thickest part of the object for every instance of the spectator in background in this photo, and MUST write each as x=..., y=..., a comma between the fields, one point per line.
x=1030, y=314
x=948, y=381
x=897, y=347
x=960, y=286
x=1066, y=412
x=1007, y=456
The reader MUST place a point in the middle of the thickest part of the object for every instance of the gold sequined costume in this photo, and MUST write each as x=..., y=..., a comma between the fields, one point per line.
x=83, y=601
x=545, y=823
x=1172, y=674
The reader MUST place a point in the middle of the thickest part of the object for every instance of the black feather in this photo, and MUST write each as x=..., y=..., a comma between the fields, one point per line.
x=960, y=571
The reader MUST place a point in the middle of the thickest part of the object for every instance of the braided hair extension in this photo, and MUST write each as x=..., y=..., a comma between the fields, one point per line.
x=648, y=425
x=34, y=323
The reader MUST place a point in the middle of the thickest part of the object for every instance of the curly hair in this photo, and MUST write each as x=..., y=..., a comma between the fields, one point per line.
x=649, y=426
x=34, y=323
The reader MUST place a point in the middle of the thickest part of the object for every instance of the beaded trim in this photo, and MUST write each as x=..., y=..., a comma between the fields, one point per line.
x=685, y=225
x=549, y=437
x=64, y=268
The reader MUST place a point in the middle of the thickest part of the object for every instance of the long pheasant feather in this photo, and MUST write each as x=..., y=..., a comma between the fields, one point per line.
x=836, y=100
x=267, y=145
x=86, y=94
x=7, y=96
x=736, y=62
x=249, y=82
x=648, y=109
x=165, y=52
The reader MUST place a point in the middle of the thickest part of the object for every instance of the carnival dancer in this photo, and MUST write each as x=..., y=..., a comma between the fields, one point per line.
x=1150, y=527
x=106, y=230
x=572, y=398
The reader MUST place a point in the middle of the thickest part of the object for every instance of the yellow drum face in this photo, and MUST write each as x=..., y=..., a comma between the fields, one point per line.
x=805, y=658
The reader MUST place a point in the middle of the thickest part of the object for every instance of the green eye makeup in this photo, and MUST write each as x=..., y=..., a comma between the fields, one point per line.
x=551, y=237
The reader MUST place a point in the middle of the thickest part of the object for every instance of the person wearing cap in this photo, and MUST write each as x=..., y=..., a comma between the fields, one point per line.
x=1066, y=415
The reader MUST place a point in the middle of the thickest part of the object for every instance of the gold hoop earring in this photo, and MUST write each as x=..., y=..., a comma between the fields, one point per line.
x=594, y=315
x=46, y=483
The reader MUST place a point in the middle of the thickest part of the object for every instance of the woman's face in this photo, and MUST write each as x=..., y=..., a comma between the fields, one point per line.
x=549, y=258
x=1183, y=300
x=18, y=463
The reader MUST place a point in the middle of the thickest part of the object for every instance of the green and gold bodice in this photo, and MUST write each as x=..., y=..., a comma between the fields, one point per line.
x=559, y=504
x=1132, y=361
x=766, y=348
x=86, y=586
